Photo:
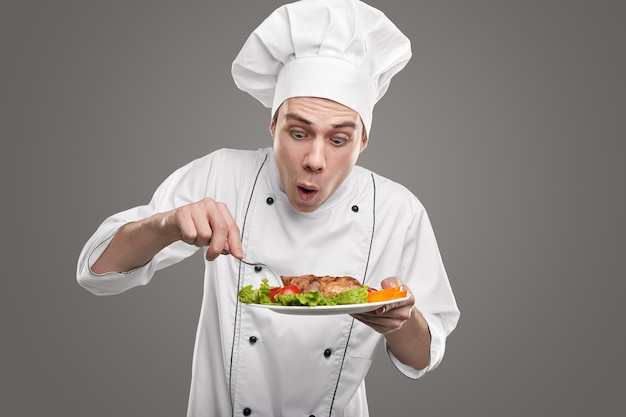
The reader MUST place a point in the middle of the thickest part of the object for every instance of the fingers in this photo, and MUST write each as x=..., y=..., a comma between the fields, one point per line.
x=208, y=223
x=391, y=282
x=233, y=241
x=396, y=282
x=387, y=318
x=381, y=324
x=391, y=316
x=184, y=221
x=225, y=236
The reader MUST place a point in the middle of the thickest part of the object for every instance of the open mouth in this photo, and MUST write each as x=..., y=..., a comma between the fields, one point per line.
x=306, y=193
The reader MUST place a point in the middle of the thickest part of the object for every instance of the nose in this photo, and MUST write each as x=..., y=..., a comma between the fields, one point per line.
x=314, y=159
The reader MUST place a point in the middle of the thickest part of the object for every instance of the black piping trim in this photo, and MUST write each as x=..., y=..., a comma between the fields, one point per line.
x=232, y=351
x=369, y=254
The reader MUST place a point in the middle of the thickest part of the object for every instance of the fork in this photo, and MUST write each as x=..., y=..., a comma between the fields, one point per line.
x=258, y=266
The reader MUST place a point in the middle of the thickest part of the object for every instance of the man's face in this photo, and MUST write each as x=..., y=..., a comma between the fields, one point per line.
x=316, y=144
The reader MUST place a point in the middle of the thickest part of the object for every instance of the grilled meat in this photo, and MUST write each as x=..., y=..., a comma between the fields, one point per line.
x=328, y=286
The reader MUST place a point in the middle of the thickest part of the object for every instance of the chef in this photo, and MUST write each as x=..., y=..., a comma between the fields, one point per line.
x=302, y=206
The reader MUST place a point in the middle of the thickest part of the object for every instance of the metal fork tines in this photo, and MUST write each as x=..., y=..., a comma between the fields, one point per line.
x=277, y=281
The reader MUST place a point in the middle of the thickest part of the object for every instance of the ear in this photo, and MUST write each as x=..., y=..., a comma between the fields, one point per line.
x=272, y=128
x=363, y=142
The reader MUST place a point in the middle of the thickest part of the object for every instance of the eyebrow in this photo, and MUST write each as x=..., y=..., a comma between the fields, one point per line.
x=307, y=122
x=298, y=118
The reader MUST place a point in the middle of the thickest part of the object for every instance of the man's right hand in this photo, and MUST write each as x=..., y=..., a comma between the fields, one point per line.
x=203, y=223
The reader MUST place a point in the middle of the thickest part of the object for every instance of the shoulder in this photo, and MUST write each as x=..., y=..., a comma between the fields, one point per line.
x=226, y=162
x=234, y=157
x=390, y=195
x=221, y=169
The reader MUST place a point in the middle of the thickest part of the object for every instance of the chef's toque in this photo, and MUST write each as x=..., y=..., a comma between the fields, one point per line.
x=342, y=50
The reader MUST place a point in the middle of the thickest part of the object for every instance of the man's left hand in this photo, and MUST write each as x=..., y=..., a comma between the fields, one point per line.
x=389, y=317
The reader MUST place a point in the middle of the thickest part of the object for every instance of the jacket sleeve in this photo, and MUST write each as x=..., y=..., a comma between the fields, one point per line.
x=423, y=270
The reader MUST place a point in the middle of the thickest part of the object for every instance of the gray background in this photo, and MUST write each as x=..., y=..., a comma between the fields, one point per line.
x=508, y=124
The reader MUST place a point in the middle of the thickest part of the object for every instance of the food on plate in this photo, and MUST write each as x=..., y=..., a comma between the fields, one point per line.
x=307, y=290
x=289, y=289
x=386, y=294
x=313, y=290
x=328, y=286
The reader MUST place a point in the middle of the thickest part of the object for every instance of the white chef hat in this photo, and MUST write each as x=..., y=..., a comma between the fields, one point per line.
x=342, y=50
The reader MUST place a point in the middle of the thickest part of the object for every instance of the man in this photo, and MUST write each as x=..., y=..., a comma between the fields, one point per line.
x=302, y=207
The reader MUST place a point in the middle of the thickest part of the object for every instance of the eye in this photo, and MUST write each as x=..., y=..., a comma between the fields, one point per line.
x=298, y=134
x=338, y=140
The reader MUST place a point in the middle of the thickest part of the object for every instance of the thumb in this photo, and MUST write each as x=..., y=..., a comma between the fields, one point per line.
x=390, y=282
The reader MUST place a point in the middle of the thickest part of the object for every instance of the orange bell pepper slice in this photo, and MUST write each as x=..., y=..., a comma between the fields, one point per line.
x=386, y=294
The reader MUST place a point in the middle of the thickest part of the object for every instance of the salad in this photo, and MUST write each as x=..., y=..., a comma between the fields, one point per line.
x=291, y=295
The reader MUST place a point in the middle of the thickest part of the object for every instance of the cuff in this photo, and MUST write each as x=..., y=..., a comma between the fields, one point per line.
x=437, y=349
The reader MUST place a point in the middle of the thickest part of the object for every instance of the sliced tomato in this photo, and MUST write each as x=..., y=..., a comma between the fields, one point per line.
x=289, y=289
x=273, y=292
x=386, y=294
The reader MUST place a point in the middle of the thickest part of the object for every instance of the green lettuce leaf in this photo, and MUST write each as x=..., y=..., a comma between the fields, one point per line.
x=261, y=295
x=353, y=296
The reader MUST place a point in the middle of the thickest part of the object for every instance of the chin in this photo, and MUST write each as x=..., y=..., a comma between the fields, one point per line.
x=304, y=207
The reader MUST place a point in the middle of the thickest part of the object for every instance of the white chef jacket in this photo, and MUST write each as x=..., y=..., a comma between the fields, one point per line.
x=252, y=361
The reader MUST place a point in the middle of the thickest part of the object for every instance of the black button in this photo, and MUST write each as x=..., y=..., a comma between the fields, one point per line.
x=252, y=339
x=247, y=411
x=258, y=268
x=327, y=353
x=269, y=201
x=311, y=415
x=355, y=208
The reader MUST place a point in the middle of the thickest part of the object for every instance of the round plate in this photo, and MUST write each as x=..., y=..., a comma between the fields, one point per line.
x=326, y=310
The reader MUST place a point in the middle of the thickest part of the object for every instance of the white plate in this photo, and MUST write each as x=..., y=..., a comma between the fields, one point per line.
x=326, y=310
